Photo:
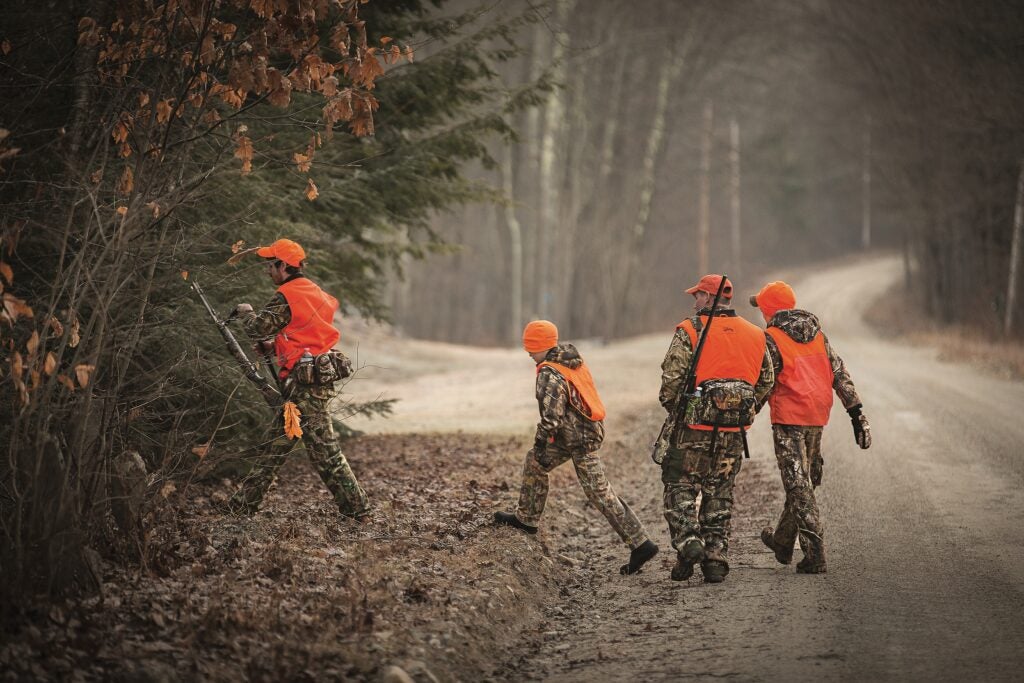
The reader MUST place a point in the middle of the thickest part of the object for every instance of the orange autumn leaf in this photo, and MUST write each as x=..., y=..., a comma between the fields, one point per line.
x=82, y=372
x=6, y=271
x=50, y=363
x=75, y=337
x=292, y=417
x=184, y=275
x=244, y=152
x=15, y=307
x=66, y=381
x=384, y=40
x=163, y=111
x=32, y=344
x=311, y=190
x=302, y=162
x=17, y=365
x=155, y=208
x=120, y=132
x=58, y=329
x=201, y=450
x=237, y=246
x=127, y=181
x=122, y=210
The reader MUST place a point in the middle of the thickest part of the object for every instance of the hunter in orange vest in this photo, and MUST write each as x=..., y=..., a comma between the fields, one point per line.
x=700, y=460
x=298, y=320
x=807, y=371
x=570, y=428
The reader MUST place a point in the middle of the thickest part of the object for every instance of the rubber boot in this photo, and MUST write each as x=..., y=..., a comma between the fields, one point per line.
x=690, y=555
x=714, y=570
x=782, y=554
x=639, y=557
x=508, y=519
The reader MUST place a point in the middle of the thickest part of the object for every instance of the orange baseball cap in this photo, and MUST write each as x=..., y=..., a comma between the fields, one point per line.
x=284, y=250
x=773, y=297
x=540, y=335
x=709, y=284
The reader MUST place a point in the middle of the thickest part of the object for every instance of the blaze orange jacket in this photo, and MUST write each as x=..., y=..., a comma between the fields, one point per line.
x=312, y=324
x=803, y=390
x=582, y=381
x=734, y=350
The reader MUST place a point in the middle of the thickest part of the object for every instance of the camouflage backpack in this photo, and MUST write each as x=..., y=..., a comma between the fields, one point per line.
x=323, y=369
x=722, y=403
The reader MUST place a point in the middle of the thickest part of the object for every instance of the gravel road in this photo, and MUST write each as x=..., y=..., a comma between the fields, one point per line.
x=925, y=531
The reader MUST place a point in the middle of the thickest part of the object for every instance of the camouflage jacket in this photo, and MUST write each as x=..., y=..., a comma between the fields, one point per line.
x=677, y=361
x=801, y=326
x=561, y=409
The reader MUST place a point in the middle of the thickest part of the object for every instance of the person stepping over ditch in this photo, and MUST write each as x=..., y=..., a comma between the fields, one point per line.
x=807, y=371
x=570, y=427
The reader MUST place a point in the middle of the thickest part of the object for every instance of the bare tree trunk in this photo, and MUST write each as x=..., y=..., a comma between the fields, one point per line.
x=669, y=72
x=1015, y=247
x=549, y=189
x=529, y=187
x=734, y=205
x=865, y=226
x=515, y=236
x=704, y=219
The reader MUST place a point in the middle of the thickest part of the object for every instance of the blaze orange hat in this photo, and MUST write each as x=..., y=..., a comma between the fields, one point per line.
x=709, y=284
x=284, y=250
x=773, y=297
x=540, y=335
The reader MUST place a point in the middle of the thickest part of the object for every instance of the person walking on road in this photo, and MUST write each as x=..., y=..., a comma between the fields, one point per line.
x=807, y=371
x=297, y=325
x=702, y=459
x=570, y=428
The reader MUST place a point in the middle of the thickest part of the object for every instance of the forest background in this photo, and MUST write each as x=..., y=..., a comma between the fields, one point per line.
x=457, y=169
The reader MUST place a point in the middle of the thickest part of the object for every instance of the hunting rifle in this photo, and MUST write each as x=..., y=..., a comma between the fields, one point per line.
x=251, y=370
x=686, y=389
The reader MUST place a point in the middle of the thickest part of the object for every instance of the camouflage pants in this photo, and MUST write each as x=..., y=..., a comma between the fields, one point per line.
x=690, y=469
x=323, y=448
x=798, y=451
x=534, y=492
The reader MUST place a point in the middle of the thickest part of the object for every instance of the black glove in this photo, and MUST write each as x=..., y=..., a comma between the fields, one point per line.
x=861, y=428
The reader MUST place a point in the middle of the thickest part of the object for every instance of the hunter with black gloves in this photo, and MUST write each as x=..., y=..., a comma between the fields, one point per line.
x=807, y=371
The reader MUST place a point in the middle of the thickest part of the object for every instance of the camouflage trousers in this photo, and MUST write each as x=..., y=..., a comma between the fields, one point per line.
x=322, y=446
x=689, y=470
x=798, y=451
x=534, y=492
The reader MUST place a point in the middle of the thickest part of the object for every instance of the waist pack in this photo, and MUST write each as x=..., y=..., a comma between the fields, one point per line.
x=323, y=369
x=722, y=403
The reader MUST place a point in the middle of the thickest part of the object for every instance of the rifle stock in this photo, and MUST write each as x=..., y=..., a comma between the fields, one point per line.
x=668, y=428
x=250, y=369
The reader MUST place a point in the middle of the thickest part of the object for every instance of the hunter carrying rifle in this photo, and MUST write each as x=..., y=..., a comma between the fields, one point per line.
x=704, y=438
x=297, y=326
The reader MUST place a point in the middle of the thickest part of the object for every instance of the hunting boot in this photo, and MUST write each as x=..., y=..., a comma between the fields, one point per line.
x=690, y=555
x=638, y=557
x=782, y=554
x=508, y=519
x=813, y=562
x=714, y=570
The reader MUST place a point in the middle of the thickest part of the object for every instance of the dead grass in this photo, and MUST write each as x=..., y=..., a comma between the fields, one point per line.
x=893, y=318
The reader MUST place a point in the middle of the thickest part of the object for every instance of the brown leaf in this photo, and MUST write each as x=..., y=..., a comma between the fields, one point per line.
x=120, y=132
x=32, y=344
x=49, y=363
x=143, y=99
x=237, y=246
x=154, y=208
x=233, y=261
x=184, y=275
x=244, y=152
x=167, y=489
x=75, y=338
x=384, y=40
x=96, y=176
x=163, y=111
x=15, y=307
x=408, y=53
x=311, y=190
x=82, y=372
x=5, y=47
x=58, y=329
x=122, y=210
x=17, y=365
x=202, y=449
x=127, y=182
x=6, y=271
x=292, y=421
x=66, y=381
x=302, y=162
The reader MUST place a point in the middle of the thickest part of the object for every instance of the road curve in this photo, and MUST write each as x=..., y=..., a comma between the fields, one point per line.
x=925, y=538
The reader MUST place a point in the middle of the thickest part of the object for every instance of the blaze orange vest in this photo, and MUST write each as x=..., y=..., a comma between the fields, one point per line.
x=734, y=350
x=312, y=324
x=803, y=390
x=583, y=383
